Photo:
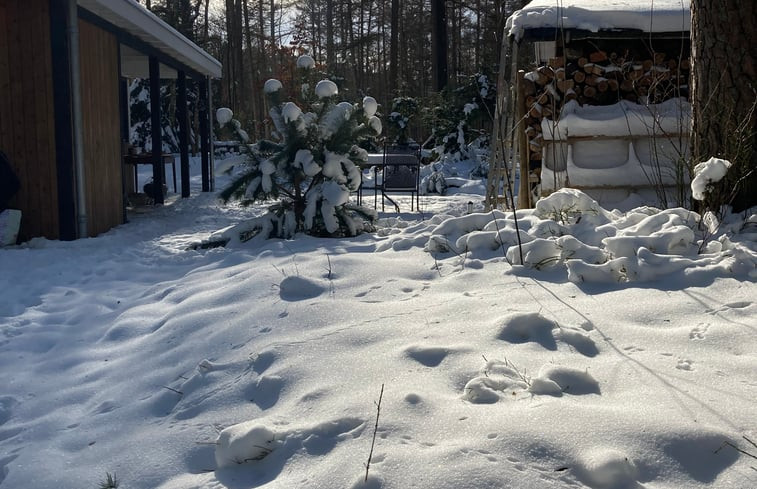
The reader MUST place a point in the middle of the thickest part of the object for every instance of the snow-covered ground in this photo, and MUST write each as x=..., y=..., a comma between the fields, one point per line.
x=620, y=356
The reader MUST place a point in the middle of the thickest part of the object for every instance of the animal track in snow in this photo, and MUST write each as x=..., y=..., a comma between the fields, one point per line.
x=699, y=332
x=684, y=364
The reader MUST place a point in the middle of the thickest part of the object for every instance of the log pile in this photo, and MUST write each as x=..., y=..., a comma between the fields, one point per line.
x=598, y=78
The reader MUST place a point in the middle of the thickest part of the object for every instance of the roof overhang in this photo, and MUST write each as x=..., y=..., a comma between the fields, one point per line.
x=610, y=18
x=141, y=24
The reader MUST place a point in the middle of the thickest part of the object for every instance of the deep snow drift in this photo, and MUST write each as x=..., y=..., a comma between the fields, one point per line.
x=617, y=353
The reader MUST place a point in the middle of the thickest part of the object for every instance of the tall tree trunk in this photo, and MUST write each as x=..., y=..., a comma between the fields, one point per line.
x=330, y=50
x=394, y=42
x=439, y=43
x=724, y=62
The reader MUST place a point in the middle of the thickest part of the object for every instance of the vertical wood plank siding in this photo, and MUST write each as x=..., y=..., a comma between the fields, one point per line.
x=101, y=126
x=26, y=112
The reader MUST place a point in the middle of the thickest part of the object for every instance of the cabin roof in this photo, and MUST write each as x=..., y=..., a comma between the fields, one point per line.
x=142, y=24
x=606, y=16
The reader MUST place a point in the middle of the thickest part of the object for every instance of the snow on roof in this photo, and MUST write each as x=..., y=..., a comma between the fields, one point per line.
x=144, y=25
x=594, y=16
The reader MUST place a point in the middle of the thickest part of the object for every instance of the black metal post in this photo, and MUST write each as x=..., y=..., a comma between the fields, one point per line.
x=182, y=115
x=157, y=142
x=64, y=131
x=204, y=134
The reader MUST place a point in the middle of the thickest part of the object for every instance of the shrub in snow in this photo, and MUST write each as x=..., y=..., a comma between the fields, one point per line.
x=403, y=109
x=311, y=169
x=453, y=116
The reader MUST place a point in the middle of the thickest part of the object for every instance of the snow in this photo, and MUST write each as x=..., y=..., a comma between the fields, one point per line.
x=370, y=106
x=224, y=115
x=590, y=15
x=375, y=124
x=305, y=62
x=260, y=364
x=272, y=85
x=290, y=112
x=326, y=88
x=621, y=119
x=625, y=144
x=707, y=173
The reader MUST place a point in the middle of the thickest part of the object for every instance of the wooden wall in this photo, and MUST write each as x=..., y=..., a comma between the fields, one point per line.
x=101, y=127
x=27, y=130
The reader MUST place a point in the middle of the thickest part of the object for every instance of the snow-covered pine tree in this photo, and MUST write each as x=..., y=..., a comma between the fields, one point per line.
x=311, y=167
x=455, y=113
x=403, y=109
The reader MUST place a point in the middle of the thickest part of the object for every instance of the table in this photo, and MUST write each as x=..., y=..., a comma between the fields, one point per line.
x=147, y=159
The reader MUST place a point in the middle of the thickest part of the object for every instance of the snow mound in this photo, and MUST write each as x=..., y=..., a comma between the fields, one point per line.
x=569, y=231
x=296, y=288
x=607, y=468
x=497, y=380
x=556, y=380
x=530, y=327
x=244, y=442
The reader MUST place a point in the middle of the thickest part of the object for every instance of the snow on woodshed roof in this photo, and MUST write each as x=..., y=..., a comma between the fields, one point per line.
x=654, y=16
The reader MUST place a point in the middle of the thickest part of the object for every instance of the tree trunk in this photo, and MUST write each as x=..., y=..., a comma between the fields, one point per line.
x=394, y=41
x=724, y=63
x=330, y=53
x=439, y=43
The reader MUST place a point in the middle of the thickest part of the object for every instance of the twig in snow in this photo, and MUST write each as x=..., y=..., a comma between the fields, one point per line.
x=375, y=429
x=729, y=444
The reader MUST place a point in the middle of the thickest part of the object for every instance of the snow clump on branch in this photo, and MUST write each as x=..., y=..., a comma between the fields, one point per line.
x=326, y=88
x=306, y=62
x=370, y=106
x=272, y=85
x=224, y=115
x=707, y=173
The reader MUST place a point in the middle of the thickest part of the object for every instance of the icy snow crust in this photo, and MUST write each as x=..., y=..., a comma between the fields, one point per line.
x=260, y=365
x=594, y=15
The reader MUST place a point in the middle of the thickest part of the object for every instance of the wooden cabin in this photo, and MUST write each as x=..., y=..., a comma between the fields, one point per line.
x=64, y=66
x=599, y=100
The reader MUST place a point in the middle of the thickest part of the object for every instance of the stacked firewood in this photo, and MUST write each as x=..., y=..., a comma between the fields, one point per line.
x=598, y=79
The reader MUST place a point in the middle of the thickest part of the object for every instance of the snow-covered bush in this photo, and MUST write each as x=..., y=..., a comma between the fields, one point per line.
x=403, y=109
x=311, y=168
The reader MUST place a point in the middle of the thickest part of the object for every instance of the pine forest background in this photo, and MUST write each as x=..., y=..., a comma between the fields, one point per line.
x=386, y=49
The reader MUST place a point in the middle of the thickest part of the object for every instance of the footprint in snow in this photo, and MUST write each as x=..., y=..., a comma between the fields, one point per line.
x=295, y=288
x=428, y=356
x=535, y=328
